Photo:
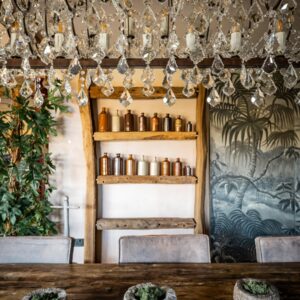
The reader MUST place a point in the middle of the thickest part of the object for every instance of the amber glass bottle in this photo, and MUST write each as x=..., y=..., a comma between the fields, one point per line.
x=103, y=120
x=155, y=123
x=129, y=121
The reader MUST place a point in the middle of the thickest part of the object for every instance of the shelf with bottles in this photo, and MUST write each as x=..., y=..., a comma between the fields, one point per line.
x=130, y=170
x=142, y=127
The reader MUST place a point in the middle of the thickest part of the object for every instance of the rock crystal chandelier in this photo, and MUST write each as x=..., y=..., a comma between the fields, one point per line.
x=194, y=30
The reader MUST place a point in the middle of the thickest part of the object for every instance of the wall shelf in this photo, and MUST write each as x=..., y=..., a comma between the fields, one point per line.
x=110, y=179
x=145, y=223
x=146, y=135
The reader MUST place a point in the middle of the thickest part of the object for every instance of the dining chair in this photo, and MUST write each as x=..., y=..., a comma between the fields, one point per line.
x=191, y=248
x=36, y=249
x=277, y=249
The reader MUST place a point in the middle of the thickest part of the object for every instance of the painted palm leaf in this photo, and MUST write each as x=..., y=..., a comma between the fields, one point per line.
x=286, y=138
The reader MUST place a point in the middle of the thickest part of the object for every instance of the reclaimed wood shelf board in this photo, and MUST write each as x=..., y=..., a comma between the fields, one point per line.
x=110, y=179
x=146, y=135
x=145, y=223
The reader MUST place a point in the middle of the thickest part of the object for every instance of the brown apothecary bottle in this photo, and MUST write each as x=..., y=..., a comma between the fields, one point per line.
x=177, y=168
x=130, y=167
x=165, y=167
x=104, y=165
x=167, y=123
x=178, y=124
x=142, y=122
x=103, y=120
x=129, y=121
x=155, y=123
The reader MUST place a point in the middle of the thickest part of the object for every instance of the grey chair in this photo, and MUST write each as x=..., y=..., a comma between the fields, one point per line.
x=29, y=249
x=164, y=249
x=277, y=249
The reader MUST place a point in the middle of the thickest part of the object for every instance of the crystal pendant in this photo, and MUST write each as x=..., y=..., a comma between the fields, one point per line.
x=128, y=82
x=258, y=98
x=148, y=18
x=228, y=89
x=171, y=67
x=108, y=88
x=25, y=66
x=167, y=81
x=38, y=98
x=67, y=87
x=225, y=75
x=196, y=75
x=121, y=44
x=26, y=90
x=74, y=67
x=125, y=98
x=82, y=97
x=290, y=77
x=122, y=66
x=148, y=90
x=169, y=98
x=188, y=90
x=217, y=66
x=207, y=80
x=268, y=86
x=69, y=45
x=173, y=42
x=88, y=79
x=99, y=77
x=269, y=65
x=148, y=76
x=213, y=98
x=246, y=78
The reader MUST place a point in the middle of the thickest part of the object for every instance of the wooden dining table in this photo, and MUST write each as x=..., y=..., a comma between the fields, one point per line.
x=110, y=281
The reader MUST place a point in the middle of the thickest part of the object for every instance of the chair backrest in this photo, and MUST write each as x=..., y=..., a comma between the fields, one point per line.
x=278, y=249
x=164, y=249
x=35, y=249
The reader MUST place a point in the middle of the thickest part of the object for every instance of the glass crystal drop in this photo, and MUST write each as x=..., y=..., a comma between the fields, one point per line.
x=4, y=76
x=269, y=65
x=228, y=89
x=208, y=81
x=26, y=90
x=255, y=13
x=122, y=66
x=173, y=42
x=121, y=44
x=257, y=98
x=213, y=98
x=197, y=75
x=74, y=67
x=171, y=67
x=225, y=75
x=82, y=97
x=290, y=77
x=217, y=66
x=148, y=18
x=128, y=82
x=148, y=76
x=246, y=78
x=88, y=79
x=125, y=98
x=99, y=77
x=148, y=90
x=69, y=45
x=268, y=86
x=25, y=66
x=38, y=98
x=167, y=81
x=67, y=87
x=108, y=88
x=188, y=90
x=169, y=98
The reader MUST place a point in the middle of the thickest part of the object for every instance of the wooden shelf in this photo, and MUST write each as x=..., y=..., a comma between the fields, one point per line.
x=145, y=223
x=147, y=179
x=144, y=136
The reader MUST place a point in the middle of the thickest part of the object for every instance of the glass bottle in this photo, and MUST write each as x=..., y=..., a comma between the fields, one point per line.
x=103, y=120
x=129, y=121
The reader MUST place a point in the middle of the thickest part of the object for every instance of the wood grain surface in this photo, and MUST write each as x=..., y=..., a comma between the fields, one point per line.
x=107, y=282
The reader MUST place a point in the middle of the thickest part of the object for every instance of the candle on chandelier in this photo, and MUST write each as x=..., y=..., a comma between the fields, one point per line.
x=236, y=38
x=280, y=35
x=190, y=39
x=59, y=37
x=164, y=25
x=103, y=41
x=14, y=32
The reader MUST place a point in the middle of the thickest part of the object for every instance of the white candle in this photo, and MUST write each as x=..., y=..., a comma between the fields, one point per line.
x=164, y=26
x=143, y=168
x=281, y=39
x=154, y=168
x=58, y=41
x=115, y=122
x=191, y=41
x=103, y=41
x=235, y=41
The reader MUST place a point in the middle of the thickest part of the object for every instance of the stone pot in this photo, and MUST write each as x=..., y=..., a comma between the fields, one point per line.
x=62, y=295
x=129, y=295
x=239, y=293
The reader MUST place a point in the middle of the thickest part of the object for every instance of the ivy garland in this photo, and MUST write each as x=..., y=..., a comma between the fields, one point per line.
x=25, y=165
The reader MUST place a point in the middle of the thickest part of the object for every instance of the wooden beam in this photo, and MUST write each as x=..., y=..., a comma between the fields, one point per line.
x=145, y=223
x=135, y=92
x=144, y=136
x=63, y=63
x=146, y=179
x=91, y=195
x=201, y=157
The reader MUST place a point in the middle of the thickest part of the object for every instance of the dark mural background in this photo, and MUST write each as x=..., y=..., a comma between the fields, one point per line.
x=254, y=170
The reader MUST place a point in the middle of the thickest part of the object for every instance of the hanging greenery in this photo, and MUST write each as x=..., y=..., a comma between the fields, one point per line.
x=25, y=164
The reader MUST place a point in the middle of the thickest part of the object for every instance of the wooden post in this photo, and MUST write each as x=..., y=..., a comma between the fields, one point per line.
x=201, y=157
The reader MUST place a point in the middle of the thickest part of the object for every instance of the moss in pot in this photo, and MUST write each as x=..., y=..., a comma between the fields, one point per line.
x=251, y=289
x=46, y=294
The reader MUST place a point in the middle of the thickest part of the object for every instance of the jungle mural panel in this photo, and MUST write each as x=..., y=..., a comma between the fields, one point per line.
x=254, y=170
